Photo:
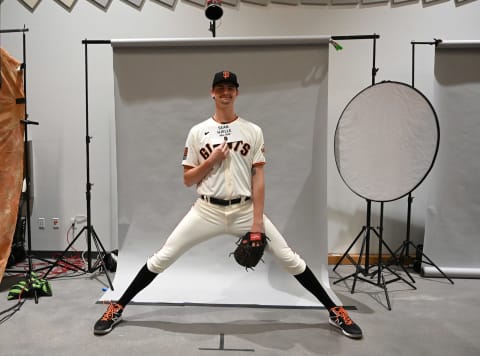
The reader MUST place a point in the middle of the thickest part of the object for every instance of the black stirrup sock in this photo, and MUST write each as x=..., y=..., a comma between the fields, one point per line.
x=311, y=283
x=143, y=279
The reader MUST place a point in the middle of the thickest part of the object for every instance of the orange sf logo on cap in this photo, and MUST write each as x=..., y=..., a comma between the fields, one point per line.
x=226, y=75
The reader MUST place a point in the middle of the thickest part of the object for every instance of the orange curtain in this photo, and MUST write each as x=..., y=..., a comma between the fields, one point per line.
x=11, y=151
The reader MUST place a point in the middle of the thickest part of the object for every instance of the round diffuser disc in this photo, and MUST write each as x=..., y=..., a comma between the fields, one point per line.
x=386, y=141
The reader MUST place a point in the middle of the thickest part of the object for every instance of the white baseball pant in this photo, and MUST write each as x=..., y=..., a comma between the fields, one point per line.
x=205, y=221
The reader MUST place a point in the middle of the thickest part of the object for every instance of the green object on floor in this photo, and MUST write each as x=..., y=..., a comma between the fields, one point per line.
x=27, y=288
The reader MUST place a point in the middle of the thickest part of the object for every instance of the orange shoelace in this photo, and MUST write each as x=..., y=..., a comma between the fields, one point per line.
x=341, y=312
x=112, y=308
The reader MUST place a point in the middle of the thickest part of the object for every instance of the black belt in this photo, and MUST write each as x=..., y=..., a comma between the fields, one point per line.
x=223, y=202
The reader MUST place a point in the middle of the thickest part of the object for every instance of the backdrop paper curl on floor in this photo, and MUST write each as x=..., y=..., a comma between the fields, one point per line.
x=161, y=90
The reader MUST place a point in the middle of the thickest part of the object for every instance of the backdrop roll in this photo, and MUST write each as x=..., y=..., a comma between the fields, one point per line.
x=161, y=90
x=452, y=223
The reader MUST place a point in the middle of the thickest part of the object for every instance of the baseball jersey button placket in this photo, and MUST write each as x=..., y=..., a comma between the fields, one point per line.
x=228, y=186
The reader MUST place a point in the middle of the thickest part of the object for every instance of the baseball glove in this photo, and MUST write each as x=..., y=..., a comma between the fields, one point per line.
x=250, y=249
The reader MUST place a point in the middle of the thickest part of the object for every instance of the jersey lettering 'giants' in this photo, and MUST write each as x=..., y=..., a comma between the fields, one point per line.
x=238, y=146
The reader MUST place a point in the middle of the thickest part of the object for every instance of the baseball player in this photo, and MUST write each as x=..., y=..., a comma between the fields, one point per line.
x=224, y=159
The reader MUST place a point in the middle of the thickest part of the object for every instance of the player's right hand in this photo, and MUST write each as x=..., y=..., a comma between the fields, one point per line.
x=221, y=152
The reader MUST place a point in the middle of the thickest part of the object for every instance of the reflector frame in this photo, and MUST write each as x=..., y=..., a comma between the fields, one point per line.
x=386, y=141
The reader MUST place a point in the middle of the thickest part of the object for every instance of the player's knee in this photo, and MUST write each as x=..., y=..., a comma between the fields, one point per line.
x=154, y=266
x=160, y=261
x=295, y=267
x=292, y=262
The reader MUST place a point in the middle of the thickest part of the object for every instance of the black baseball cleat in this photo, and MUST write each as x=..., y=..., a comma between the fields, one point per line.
x=109, y=319
x=340, y=319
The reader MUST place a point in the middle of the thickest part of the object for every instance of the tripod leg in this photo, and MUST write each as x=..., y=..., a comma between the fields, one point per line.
x=400, y=249
x=384, y=285
x=430, y=262
x=400, y=253
x=355, y=263
x=357, y=266
x=399, y=278
x=379, y=272
x=400, y=264
x=61, y=257
x=349, y=248
x=28, y=277
x=398, y=256
x=103, y=253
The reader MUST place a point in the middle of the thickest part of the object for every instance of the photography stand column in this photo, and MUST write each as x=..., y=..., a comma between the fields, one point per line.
x=28, y=220
x=26, y=122
x=29, y=274
x=381, y=282
x=91, y=234
x=380, y=277
x=366, y=228
x=402, y=251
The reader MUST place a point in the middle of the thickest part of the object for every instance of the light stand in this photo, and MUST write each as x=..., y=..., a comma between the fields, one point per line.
x=213, y=12
x=30, y=277
x=367, y=228
x=402, y=252
x=91, y=233
x=365, y=270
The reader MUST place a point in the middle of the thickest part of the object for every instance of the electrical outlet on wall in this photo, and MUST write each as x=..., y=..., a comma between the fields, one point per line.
x=41, y=223
x=55, y=223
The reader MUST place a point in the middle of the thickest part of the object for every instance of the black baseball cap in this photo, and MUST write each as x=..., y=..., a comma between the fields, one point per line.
x=225, y=76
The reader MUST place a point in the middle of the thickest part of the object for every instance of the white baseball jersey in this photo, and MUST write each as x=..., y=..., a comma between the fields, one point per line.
x=232, y=177
x=228, y=180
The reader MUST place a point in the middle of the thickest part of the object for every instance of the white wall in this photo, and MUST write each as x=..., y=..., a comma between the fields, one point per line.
x=56, y=91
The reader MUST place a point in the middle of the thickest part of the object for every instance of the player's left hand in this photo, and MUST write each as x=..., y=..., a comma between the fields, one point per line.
x=250, y=249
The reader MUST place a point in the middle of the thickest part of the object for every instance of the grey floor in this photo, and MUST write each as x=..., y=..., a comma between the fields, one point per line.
x=436, y=319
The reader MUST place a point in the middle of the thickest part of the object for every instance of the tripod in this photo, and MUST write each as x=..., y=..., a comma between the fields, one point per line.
x=402, y=252
x=365, y=269
x=91, y=233
x=367, y=228
x=30, y=278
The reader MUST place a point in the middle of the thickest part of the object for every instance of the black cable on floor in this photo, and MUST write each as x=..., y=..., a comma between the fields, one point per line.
x=12, y=311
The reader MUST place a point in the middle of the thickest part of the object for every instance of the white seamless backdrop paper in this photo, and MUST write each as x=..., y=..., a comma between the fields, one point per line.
x=161, y=90
x=452, y=223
